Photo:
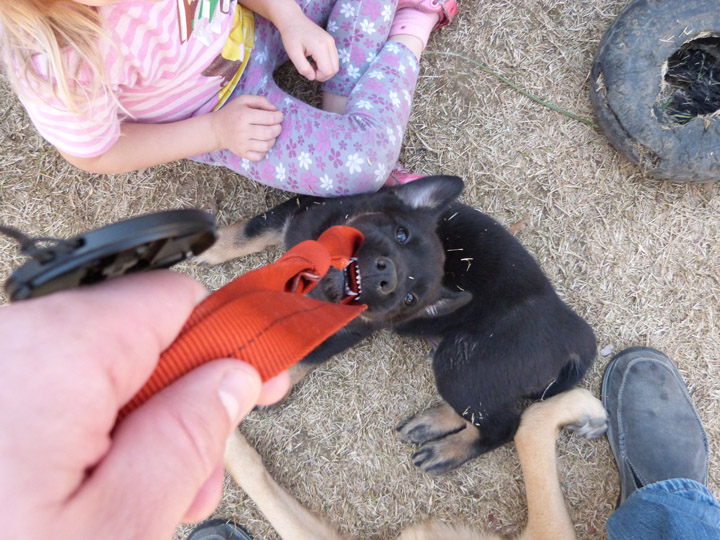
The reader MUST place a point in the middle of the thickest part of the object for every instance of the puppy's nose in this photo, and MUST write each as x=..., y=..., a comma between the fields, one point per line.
x=386, y=275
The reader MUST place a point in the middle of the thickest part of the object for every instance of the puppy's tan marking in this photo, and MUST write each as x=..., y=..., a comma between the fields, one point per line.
x=540, y=425
x=289, y=518
x=232, y=243
x=443, y=454
x=432, y=424
x=299, y=371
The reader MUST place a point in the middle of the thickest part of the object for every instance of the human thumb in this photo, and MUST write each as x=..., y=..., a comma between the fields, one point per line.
x=163, y=453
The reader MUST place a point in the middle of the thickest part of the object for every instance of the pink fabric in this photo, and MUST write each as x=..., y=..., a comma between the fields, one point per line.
x=159, y=79
x=415, y=23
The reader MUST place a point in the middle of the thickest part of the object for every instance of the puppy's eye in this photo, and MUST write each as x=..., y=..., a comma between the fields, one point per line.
x=410, y=299
x=401, y=235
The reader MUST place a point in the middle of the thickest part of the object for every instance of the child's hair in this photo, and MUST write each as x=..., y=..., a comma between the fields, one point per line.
x=51, y=28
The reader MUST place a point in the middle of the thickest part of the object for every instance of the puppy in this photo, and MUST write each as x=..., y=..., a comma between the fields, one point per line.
x=535, y=442
x=437, y=269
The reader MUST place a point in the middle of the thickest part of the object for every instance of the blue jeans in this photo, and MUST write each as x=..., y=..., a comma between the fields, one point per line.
x=671, y=509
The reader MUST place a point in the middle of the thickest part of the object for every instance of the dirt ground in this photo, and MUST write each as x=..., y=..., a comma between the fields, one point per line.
x=638, y=258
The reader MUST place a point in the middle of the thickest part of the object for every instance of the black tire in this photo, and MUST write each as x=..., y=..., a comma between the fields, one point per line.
x=628, y=89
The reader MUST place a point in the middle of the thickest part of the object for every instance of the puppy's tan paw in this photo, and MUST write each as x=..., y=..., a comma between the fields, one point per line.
x=589, y=427
x=231, y=244
x=577, y=409
x=443, y=455
x=430, y=424
x=209, y=257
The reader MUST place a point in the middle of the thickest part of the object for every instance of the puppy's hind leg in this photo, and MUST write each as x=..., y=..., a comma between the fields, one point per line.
x=540, y=425
x=288, y=517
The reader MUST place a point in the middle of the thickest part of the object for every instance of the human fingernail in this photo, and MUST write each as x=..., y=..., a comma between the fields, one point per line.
x=241, y=381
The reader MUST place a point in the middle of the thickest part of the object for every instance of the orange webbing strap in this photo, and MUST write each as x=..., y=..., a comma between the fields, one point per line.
x=262, y=317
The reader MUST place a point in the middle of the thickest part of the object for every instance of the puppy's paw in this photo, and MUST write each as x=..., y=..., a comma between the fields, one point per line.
x=584, y=413
x=221, y=251
x=209, y=257
x=589, y=427
x=444, y=455
x=430, y=425
x=232, y=243
x=578, y=409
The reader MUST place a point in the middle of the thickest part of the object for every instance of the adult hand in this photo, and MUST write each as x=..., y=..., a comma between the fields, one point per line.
x=302, y=38
x=68, y=363
x=247, y=126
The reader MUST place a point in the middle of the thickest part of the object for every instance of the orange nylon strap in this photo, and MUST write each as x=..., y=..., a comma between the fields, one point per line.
x=262, y=317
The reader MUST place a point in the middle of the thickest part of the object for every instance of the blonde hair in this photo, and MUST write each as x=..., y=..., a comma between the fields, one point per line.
x=51, y=28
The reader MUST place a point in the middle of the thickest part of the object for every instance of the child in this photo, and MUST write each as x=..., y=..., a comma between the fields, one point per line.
x=119, y=85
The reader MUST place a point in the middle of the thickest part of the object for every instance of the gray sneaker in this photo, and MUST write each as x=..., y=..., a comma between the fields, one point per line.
x=654, y=430
x=219, y=529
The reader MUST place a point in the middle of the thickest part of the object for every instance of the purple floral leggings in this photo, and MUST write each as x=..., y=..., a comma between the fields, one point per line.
x=322, y=153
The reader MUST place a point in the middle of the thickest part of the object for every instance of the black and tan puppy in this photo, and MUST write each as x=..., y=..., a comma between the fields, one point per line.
x=434, y=268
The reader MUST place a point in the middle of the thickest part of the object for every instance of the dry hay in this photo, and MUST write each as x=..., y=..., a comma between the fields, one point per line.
x=637, y=257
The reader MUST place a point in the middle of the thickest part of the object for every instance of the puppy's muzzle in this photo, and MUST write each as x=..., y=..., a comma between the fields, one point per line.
x=385, y=276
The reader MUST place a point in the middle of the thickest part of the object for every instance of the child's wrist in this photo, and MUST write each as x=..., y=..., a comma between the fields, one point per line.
x=214, y=123
x=285, y=13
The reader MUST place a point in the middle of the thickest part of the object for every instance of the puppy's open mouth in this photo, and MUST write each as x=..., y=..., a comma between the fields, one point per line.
x=352, y=282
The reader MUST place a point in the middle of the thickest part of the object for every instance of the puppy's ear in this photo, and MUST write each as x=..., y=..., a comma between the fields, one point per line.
x=448, y=302
x=431, y=192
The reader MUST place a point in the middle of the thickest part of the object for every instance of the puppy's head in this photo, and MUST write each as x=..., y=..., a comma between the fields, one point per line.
x=399, y=267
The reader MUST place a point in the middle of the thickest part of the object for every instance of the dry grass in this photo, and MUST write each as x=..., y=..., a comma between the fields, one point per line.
x=637, y=257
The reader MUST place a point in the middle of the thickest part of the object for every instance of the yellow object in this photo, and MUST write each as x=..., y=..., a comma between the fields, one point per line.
x=238, y=46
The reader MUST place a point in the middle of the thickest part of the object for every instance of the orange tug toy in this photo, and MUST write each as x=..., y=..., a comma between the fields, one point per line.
x=263, y=317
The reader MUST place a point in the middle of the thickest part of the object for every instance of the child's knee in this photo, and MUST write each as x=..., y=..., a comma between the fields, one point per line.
x=366, y=181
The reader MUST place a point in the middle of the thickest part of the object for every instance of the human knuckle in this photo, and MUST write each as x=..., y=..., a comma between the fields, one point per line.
x=194, y=433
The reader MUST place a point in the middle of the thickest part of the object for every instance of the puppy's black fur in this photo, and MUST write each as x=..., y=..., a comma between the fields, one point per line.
x=441, y=270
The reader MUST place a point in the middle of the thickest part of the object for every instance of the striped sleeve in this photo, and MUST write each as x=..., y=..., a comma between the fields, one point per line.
x=85, y=135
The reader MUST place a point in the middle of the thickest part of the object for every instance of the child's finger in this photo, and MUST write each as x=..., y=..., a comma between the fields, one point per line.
x=260, y=117
x=255, y=145
x=257, y=102
x=254, y=156
x=265, y=133
x=327, y=63
x=301, y=63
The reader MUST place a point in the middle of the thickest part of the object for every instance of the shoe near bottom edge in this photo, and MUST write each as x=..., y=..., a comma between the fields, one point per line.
x=219, y=529
x=654, y=430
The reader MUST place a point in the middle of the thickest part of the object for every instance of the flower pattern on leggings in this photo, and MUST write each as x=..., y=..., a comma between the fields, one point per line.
x=321, y=153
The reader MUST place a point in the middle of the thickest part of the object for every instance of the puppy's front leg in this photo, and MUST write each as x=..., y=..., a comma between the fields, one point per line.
x=234, y=241
x=246, y=237
x=540, y=424
x=288, y=517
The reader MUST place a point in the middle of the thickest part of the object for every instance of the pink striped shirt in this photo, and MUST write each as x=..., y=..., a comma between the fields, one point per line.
x=173, y=60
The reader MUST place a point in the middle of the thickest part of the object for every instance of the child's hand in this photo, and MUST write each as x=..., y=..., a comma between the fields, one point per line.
x=247, y=126
x=302, y=39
